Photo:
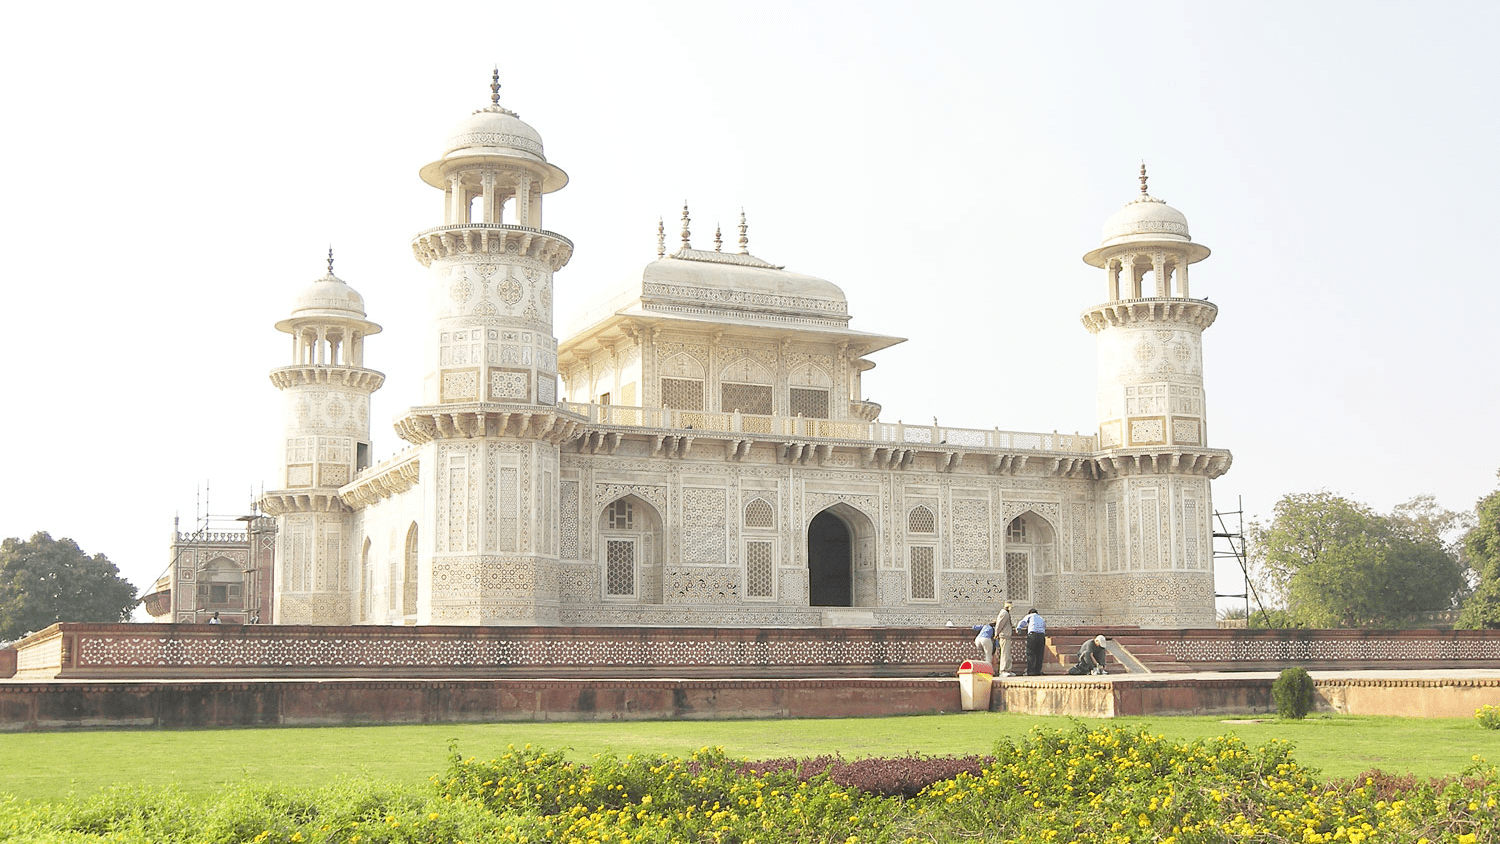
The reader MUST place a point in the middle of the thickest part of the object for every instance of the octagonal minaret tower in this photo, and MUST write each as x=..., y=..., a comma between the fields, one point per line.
x=1156, y=508
x=326, y=440
x=488, y=426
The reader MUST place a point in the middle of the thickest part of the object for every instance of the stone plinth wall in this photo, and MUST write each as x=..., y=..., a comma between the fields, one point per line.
x=1265, y=650
x=150, y=651
x=230, y=703
x=1419, y=698
x=7, y=663
x=139, y=651
x=1242, y=695
x=1102, y=698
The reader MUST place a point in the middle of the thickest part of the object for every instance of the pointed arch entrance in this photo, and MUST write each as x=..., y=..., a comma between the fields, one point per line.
x=630, y=547
x=840, y=558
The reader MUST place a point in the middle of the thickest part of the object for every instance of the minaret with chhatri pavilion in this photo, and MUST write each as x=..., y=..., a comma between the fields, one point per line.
x=326, y=440
x=488, y=428
x=1153, y=454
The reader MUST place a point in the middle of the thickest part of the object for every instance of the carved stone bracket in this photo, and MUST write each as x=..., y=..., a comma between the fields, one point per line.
x=425, y=424
x=550, y=248
x=1209, y=463
x=282, y=502
x=1198, y=313
x=339, y=376
x=383, y=481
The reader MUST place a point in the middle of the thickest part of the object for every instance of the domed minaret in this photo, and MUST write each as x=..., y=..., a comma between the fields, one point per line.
x=489, y=427
x=1153, y=434
x=326, y=441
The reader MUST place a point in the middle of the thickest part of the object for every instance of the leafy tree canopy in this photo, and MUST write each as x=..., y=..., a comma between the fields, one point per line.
x=1482, y=546
x=45, y=580
x=1337, y=563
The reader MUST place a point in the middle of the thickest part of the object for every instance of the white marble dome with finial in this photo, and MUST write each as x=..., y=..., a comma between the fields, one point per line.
x=328, y=299
x=494, y=130
x=329, y=295
x=1145, y=218
x=490, y=136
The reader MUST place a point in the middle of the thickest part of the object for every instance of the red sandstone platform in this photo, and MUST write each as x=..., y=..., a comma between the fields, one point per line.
x=174, y=676
x=173, y=704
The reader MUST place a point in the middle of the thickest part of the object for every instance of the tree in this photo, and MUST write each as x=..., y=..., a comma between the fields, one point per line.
x=1482, y=545
x=1337, y=563
x=45, y=580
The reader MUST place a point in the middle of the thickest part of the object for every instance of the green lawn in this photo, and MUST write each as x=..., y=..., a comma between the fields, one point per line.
x=51, y=765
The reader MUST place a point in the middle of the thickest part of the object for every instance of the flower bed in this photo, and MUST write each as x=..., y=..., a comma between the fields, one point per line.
x=1109, y=785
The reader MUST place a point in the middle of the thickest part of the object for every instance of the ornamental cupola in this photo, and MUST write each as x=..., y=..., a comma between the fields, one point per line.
x=327, y=386
x=1149, y=331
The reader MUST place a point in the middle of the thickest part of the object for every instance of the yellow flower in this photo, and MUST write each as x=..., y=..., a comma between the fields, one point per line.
x=1467, y=838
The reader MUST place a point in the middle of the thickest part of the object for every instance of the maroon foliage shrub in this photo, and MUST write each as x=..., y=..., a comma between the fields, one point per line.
x=901, y=776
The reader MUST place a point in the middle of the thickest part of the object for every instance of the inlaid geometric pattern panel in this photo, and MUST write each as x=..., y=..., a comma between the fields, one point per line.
x=758, y=514
x=923, y=574
x=971, y=589
x=746, y=398
x=568, y=519
x=460, y=385
x=682, y=393
x=1234, y=650
x=358, y=650
x=506, y=384
x=1018, y=575
x=812, y=404
x=704, y=525
x=619, y=568
x=702, y=585
x=760, y=569
x=971, y=533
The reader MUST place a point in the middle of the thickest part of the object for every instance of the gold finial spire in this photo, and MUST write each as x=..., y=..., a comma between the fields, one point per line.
x=330, y=259
x=495, y=87
x=718, y=238
x=744, y=237
x=1143, y=179
x=685, y=232
x=661, y=238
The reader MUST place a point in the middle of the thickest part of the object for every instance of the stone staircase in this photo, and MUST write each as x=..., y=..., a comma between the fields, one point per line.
x=1131, y=651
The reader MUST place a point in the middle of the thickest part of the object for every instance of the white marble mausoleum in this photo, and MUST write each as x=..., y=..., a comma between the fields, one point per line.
x=699, y=450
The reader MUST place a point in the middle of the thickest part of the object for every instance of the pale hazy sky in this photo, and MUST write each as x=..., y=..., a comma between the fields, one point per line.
x=174, y=173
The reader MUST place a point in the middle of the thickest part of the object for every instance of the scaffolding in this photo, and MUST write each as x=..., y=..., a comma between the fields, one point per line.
x=1230, y=544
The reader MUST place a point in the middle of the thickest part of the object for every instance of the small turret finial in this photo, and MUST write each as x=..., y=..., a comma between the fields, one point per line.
x=744, y=237
x=661, y=238
x=685, y=232
x=495, y=87
x=1143, y=179
x=718, y=238
x=330, y=259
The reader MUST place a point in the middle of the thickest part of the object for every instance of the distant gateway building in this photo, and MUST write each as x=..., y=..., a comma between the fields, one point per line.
x=711, y=460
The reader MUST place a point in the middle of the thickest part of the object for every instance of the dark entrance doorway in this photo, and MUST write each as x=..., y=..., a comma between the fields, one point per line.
x=829, y=562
